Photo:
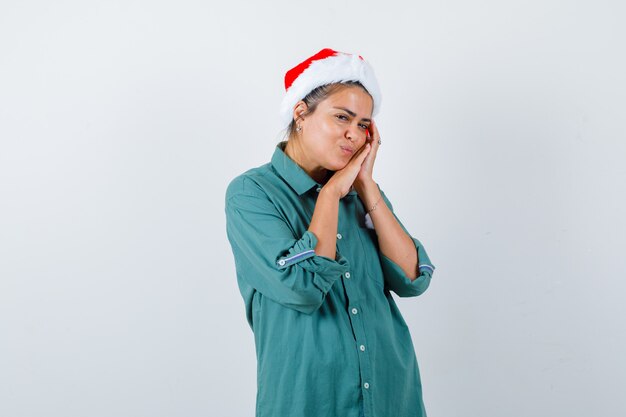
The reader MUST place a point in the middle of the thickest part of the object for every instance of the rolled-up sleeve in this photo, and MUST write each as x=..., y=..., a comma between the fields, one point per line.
x=395, y=278
x=397, y=281
x=270, y=257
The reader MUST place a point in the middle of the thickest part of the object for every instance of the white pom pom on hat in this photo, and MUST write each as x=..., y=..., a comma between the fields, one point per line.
x=326, y=67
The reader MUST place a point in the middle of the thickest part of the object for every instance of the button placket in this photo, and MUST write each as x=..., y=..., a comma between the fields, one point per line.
x=365, y=368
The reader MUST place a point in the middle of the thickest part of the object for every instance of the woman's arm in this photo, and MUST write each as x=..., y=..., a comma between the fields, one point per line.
x=326, y=215
x=393, y=241
x=268, y=257
x=324, y=222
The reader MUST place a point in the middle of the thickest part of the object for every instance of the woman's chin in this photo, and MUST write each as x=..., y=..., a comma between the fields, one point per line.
x=338, y=166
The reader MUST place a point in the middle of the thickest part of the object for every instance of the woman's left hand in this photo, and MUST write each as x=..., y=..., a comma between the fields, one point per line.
x=365, y=175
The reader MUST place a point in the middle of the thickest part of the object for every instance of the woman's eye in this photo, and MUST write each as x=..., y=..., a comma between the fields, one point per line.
x=342, y=117
x=364, y=127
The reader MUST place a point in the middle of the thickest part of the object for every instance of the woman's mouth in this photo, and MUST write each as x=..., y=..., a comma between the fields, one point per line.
x=346, y=150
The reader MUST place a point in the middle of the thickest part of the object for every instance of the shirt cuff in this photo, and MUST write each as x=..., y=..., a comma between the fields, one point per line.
x=302, y=254
x=398, y=282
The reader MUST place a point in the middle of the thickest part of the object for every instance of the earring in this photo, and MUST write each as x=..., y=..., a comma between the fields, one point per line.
x=299, y=129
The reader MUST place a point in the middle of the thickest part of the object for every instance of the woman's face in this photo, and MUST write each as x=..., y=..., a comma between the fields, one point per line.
x=337, y=128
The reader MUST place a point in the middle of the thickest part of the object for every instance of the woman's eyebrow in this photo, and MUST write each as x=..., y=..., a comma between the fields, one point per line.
x=351, y=113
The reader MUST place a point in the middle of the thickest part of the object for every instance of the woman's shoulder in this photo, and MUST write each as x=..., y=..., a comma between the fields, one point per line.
x=250, y=182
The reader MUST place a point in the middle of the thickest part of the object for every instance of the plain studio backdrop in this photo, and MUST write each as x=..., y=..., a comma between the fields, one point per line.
x=122, y=122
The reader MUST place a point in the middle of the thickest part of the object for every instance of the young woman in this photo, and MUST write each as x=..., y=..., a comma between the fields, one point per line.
x=318, y=249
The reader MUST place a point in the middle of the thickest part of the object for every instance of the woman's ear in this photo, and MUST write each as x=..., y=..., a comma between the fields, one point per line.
x=299, y=110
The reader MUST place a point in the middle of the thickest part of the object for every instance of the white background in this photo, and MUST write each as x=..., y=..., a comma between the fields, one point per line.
x=122, y=122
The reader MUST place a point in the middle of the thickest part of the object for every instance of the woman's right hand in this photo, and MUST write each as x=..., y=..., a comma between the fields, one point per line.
x=342, y=180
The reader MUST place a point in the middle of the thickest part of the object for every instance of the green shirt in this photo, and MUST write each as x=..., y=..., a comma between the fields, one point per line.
x=329, y=336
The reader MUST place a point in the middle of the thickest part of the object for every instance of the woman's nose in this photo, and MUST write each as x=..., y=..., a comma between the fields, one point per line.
x=352, y=133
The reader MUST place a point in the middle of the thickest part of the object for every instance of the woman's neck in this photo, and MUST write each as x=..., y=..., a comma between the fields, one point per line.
x=294, y=150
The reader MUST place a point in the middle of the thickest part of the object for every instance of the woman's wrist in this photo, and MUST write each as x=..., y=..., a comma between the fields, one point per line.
x=365, y=187
x=331, y=191
x=369, y=194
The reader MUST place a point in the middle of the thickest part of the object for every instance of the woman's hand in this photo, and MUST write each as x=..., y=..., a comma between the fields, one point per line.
x=365, y=176
x=342, y=180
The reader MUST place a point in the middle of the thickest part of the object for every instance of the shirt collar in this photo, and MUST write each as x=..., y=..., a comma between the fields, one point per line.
x=292, y=173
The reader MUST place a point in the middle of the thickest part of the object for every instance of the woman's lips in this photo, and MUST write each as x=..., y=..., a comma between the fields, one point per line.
x=346, y=150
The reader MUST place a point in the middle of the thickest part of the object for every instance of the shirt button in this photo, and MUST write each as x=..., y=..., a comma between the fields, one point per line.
x=347, y=275
x=362, y=347
x=366, y=385
x=354, y=311
x=318, y=189
x=339, y=236
x=281, y=262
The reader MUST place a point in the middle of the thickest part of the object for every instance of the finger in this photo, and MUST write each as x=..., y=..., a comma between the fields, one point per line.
x=360, y=154
x=361, y=150
x=375, y=133
x=365, y=150
x=375, y=138
x=369, y=137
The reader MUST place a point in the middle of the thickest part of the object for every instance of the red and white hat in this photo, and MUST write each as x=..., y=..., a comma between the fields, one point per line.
x=326, y=67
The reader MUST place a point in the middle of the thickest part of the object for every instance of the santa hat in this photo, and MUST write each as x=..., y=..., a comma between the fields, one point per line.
x=326, y=67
